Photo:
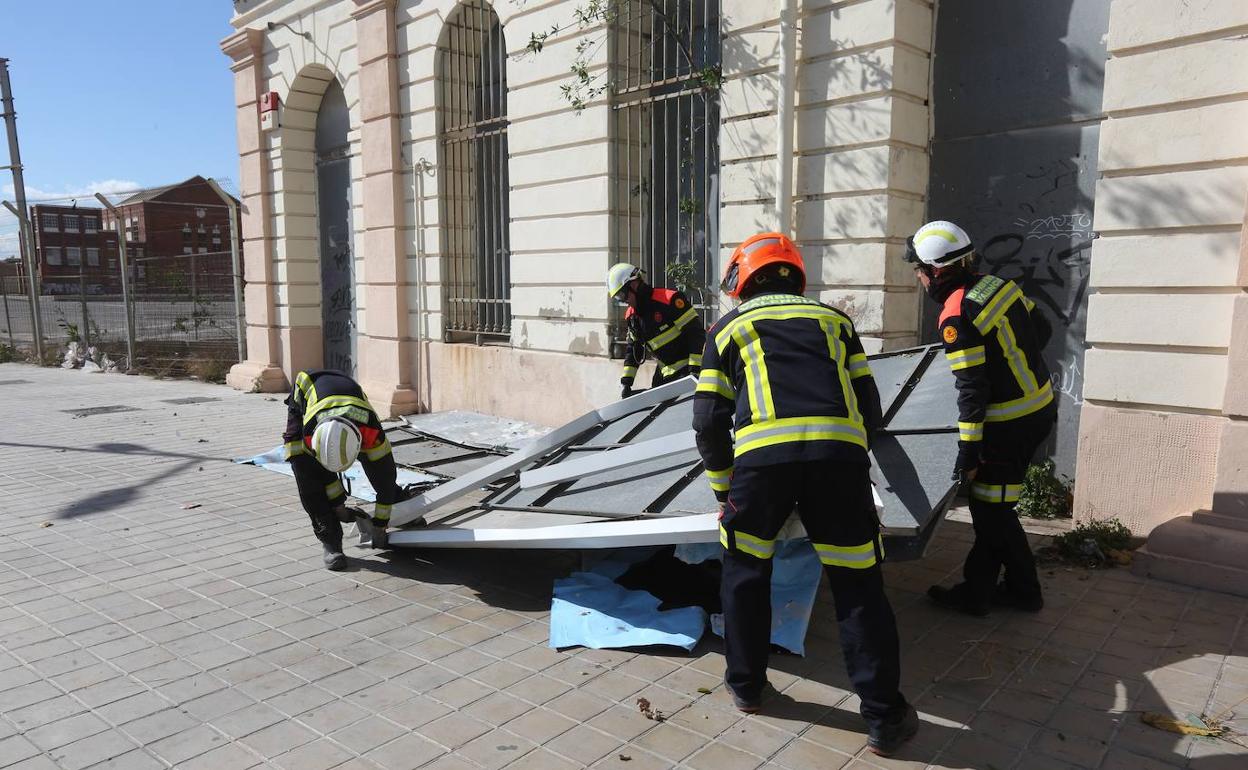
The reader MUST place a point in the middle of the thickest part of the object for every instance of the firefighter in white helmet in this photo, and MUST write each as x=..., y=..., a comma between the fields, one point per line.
x=993, y=337
x=662, y=322
x=329, y=425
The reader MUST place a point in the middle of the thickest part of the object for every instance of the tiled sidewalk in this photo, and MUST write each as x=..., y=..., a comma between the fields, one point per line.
x=175, y=614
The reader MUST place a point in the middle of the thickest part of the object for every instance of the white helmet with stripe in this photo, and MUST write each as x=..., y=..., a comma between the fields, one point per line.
x=618, y=277
x=336, y=444
x=939, y=244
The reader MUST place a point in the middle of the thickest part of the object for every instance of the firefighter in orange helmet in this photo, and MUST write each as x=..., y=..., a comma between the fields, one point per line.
x=783, y=411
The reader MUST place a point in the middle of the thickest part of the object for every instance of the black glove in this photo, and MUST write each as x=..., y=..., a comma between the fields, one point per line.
x=968, y=460
x=626, y=389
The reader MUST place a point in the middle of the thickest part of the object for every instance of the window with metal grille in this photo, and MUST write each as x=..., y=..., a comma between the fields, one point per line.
x=666, y=112
x=472, y=140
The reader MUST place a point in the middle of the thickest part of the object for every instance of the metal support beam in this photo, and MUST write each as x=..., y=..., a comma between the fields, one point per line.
x=654, y=449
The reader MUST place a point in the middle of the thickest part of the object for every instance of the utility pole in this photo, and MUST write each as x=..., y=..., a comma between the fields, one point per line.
x=126, y=305
x=19, y=190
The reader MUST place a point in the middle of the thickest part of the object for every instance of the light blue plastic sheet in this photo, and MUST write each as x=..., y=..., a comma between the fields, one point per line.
x=591, y=610
x=794, y=582
x=360, y=488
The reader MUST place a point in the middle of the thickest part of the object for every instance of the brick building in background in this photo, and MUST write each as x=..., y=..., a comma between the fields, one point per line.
x=70, y=242
x=176, y=233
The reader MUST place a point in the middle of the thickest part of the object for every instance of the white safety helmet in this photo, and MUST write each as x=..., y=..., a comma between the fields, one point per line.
x=618, y=277
x=939, y=244
x=336, y=444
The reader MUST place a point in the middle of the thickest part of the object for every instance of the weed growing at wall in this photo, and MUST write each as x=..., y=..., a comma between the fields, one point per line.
x=1044, y=495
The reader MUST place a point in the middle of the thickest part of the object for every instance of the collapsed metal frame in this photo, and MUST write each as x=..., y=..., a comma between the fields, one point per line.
x=472, y=140
x=666, y=121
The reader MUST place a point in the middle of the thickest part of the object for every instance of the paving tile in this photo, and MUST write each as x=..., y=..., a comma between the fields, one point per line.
x=368, y=734
x=65, y=731
x=232, y=756
x=16, y=748
x=188, y=744
x=97, y=749
x=162, y=724
x=405, y=753
x=319, y=755
x=454, y=730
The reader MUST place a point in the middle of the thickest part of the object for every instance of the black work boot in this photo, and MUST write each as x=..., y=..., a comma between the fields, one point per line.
x=1002, y=596
x=959, y=599
x=335, y=559
x=747, y=705
x=886, y=740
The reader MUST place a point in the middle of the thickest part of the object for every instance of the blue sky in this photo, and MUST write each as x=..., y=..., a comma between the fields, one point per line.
x=116, y=94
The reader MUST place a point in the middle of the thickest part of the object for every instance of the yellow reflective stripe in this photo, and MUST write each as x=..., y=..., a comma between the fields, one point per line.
x=970, y=431
x=695, y=359
x=292, y=448
x=996, y=493
x=747, y=543
x=334, y=490
x=715, y=381
x=1023, y=375
x=997, y=307
x=1021, y=407
x=675, y=366
x=664, y=337
x=965, y=359
x=858, y=366
x=839, y=353
x=330, y=402
x=948, y=236
x=850, y=556
x=382, y=511
x=630, y=371
x=303, y=383
x=756, y=382
x=719, y=479
x=379, y=451
x=1027, y=303
x=791, y=429
x=811, y=310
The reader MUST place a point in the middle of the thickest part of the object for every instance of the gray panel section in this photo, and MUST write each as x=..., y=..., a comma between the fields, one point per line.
x=892, y=371
x=911, y=475
x=933, y=403
x=627, y=490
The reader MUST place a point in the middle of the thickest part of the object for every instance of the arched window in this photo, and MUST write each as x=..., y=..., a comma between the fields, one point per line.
x=472, y=138
x=666, y=100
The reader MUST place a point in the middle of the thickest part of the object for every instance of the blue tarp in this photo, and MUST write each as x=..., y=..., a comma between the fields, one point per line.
x=590, y=610
x=360, y=488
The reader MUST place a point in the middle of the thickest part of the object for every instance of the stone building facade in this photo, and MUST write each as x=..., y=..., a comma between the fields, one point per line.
x=1094, y=147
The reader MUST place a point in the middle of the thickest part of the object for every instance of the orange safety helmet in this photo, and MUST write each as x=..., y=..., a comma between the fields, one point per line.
x=757, y=252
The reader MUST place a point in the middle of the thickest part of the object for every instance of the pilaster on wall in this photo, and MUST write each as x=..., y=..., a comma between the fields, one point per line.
x=1168, y=270
x=384, y=365
x=860, y=148
x=261, y=371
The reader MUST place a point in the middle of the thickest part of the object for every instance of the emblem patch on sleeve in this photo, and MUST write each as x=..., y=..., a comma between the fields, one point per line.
x=950, y=334
x=679, y=303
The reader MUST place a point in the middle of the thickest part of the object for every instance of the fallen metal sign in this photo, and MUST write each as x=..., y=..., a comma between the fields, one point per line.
x=629, y=474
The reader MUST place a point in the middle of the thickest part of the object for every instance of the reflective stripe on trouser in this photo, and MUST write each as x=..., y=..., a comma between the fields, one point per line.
x=334, y=490
x=834, y=502
x=720, y=480
x=860, y=556
x=1000, y=542
x=313, y=481
x=381, y=511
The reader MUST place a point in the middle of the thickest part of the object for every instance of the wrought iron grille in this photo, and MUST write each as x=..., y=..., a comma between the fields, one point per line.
x=666, y=89
x=472, y=130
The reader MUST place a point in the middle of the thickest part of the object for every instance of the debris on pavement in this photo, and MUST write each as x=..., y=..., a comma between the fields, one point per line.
x=1172, y=725
x=648, y=711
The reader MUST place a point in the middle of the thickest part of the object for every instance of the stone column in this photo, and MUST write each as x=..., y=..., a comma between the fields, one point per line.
x=1207, y=549
x=261, y=371
x=384, y=349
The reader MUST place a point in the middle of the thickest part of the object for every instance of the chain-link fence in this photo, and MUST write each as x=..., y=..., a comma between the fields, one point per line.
x=183, y=309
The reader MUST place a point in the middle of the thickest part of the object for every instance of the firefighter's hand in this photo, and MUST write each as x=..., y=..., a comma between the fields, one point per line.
x=625, y=391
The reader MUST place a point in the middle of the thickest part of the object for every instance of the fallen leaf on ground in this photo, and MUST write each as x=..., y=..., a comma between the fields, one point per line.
x=704, y=690
x=625, y=758
x=648, y=711
x=1169, y=724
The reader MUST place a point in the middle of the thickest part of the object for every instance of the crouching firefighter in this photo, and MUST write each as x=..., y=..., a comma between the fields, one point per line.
x=993, y=336
x=662, y=321
x=790, y=376
x=329, y=424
